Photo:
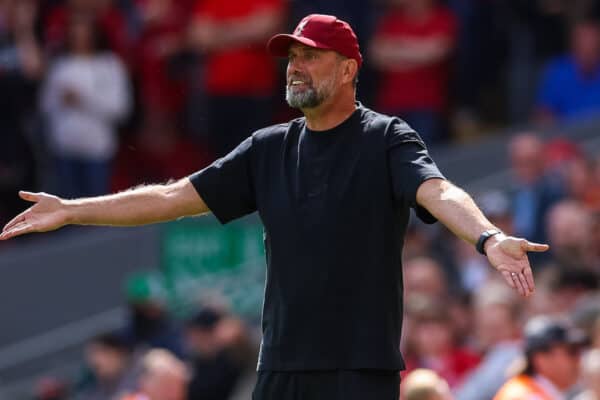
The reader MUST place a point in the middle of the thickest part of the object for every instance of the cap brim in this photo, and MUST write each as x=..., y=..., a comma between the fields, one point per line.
x=279, y=45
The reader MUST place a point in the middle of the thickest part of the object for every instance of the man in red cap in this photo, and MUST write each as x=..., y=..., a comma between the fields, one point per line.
x=334, y=190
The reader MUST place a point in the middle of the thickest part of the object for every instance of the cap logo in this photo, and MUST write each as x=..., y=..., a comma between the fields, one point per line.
x=300, y=27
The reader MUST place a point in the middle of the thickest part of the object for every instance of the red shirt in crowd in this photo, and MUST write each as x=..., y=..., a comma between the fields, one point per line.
x=163, y=85
x=422, y=87
x=247, y=70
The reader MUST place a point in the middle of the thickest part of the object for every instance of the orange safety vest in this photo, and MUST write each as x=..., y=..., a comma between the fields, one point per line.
x=522, y=387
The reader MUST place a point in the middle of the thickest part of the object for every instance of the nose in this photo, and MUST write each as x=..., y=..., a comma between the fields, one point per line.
x=293, y=67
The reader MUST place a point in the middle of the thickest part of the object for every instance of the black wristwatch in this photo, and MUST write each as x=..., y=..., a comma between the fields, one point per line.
x=484, y=237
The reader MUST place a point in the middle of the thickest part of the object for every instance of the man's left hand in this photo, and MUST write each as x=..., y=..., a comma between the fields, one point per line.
x=509, y=256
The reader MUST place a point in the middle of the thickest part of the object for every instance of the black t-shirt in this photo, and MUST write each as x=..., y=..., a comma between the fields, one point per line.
x=335, y=205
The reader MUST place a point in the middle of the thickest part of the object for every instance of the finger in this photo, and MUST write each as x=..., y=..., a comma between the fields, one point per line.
x=17, y=230
x=536, y=247
x=509, y=279
x=529, y=277
x=522, y=291
x=523, y=281
x=15, y=220
x=29, y=196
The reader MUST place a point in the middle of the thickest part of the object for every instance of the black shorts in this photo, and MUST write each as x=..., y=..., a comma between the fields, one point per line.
x=328, y=385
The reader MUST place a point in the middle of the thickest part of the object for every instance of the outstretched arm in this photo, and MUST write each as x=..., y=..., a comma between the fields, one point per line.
x=457, y=210
x=138, y=206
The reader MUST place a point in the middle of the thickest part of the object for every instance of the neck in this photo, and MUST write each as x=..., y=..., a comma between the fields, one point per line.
x=330, y=113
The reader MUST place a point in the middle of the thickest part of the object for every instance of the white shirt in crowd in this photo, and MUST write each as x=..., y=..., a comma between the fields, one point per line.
x=88, y=130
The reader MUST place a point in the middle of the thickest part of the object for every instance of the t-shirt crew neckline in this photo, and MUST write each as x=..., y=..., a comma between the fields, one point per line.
x=339, y=127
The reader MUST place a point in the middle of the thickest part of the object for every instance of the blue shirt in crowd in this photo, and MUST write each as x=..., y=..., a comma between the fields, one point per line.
x=566, y=92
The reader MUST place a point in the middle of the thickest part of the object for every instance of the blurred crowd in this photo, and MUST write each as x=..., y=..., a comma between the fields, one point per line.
x=101, y=95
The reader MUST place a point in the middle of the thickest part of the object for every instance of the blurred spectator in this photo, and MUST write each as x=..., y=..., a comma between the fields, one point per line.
x=104, y=13
x=21, y=66
x=581, y=183
x=85, y=95
x=360, y=14
x=535, y=192
x=112, y=370
x=551, y=368
x=535, y=31
x=212, y=339
x=411, y=49
x=477, y=64
x=240, y=77
x=423, y=384
x=159, y=152
x=590, y=366
x=433, y=344
x=150, y=325
x=570, y=287
x=424, y=276
x=164, y=377
x=498, y=329
x=163, y=70
x=570, y=87
x=569, y=228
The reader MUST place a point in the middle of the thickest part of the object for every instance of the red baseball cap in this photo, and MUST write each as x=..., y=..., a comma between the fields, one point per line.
x=322, y=32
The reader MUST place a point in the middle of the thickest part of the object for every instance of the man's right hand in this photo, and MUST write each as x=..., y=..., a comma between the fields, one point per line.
x=47, y=214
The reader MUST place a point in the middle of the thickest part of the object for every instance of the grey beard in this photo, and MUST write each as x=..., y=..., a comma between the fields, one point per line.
x=310, y=98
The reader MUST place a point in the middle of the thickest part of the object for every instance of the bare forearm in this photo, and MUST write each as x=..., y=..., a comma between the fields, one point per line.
x=138, y=206
x=454, y=208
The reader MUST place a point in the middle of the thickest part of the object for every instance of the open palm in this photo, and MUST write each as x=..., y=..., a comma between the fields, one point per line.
x=509, y=256
x=46, y=214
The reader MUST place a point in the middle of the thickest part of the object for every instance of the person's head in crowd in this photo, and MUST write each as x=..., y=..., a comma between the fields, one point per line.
x=108, y=356
x=424, y=275
x=164, y=376
x=569, y=228
x=585, y=44
x=424, y=384
x=460, y=309
x=590, y=371
x=570, y=285
x=146, y=297
x=432, y=328
x=526, y=152
x=84, y=37
x=201, y=332
x=552, y=350
x=497, y=314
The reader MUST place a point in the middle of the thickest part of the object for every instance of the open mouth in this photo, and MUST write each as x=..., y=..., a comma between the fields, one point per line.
x=298, y=84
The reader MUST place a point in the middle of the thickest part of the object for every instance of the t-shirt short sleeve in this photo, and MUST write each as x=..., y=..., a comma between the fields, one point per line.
x=410, y=166
x=226, y=185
